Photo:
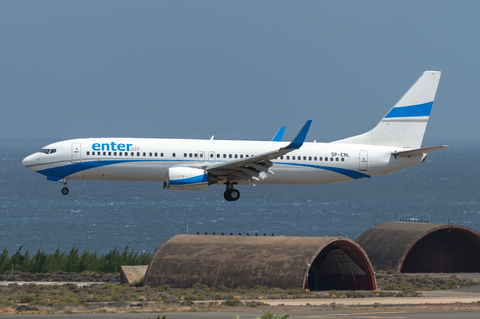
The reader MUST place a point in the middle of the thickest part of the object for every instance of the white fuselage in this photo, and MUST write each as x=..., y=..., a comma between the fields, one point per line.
x=148, y=159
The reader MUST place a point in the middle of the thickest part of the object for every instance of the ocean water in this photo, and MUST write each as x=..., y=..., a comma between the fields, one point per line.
x=100, y=216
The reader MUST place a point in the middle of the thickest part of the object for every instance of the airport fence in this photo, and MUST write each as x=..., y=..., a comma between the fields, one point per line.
x=73, y=261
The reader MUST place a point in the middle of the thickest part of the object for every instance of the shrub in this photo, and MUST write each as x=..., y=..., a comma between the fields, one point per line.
x=26, y=308
x=232, y=303
x=255, y=303
x=271, y=315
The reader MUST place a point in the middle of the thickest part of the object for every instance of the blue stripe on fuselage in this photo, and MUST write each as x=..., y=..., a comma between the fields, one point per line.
x=57, y=173
x=411, y=110
x=66, y=170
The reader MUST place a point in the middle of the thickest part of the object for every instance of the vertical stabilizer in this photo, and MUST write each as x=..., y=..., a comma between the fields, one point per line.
x=405, y=124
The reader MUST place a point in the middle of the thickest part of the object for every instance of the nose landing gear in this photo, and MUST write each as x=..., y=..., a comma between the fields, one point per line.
x=231, y=194
x=65, y=188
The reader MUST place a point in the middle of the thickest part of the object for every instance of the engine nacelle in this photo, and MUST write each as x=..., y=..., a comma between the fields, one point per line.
x=187, y=178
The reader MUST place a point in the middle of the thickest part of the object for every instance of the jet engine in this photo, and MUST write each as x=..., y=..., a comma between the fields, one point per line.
x=188, y=178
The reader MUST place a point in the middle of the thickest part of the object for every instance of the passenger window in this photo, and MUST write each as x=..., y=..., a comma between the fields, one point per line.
x=281, y=157
x=132, y=154
x=336, y=159
x=331, y=159
x=126, y=153
x=201, y=155
x=246, y=155
x=156, y=154
x=236, y=156
x=315, y=158
x=309, y=158
x=161, y=154
x=224, y=155
x=293, y=157
x=104, y=153
x=150, y=154
x=109, y=153
x=343, y=159
x=173, y=154
x=288, y=157
x=218, y=155
x=211, y=155
x=114, y=153
x=184, y=154
x=88, y=153
x=299, y=158
x=195, y=154
x=241, y=155
x=229, y=155
x=138, y=153
x=304, y=158
x=190, y=155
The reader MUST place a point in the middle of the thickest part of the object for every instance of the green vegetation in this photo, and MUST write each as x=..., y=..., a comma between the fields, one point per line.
x=409, y=283
x=73, y=261
x=271, y=315
x=110, y=297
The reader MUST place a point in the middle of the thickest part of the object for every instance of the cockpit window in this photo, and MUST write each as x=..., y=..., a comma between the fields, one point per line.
x=47, y=151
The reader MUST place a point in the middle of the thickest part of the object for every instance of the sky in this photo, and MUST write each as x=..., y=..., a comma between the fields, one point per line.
x=233, y=69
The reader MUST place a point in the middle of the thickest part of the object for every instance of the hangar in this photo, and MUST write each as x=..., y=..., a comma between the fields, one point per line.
x=317, y=263
x=413, y=247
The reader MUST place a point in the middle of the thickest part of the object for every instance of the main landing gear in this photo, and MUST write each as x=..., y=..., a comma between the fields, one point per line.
x=231, y=194
x=65, y=188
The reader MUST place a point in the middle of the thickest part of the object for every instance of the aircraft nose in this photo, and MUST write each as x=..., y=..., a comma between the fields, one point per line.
x=30, y=160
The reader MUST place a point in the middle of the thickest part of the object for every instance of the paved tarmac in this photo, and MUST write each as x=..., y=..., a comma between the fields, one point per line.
x=303, y=314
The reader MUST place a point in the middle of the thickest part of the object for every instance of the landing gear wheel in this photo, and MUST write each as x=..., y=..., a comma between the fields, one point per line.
x=65, y=191
x=231, y=195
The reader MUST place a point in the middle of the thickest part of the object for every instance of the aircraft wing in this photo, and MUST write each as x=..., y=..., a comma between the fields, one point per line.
x=418, y=151
x=254, y=168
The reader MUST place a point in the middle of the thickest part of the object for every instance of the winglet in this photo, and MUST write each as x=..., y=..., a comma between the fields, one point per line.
x=278, y=136
x=300, y=138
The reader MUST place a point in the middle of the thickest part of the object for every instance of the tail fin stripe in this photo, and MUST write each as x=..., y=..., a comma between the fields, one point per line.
x=411, y=110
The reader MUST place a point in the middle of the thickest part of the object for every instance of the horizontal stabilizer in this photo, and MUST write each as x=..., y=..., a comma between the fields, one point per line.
x=418, y=151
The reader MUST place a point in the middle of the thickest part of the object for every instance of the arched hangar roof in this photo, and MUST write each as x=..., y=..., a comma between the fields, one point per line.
x=411, y=247
x=246, y=261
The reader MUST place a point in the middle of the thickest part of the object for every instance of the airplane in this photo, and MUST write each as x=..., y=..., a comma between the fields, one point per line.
x=193, y=164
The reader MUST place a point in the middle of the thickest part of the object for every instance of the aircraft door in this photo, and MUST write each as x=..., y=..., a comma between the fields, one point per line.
x=201, y=156
x=363, y=160
x=211, y=157
x=76, y=152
